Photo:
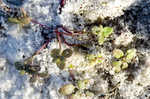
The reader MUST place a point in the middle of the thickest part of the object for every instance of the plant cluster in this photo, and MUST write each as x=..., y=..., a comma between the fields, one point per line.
x=60, y=57
x=102, y=33
x=122, y=60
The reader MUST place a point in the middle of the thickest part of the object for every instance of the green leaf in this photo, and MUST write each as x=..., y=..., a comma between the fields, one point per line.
x=75, y=96
x=107, y=31
x=60, y=63
x=19, y=65
x=55, y=53
x=117, y=53
x=43, y=75
x=22, y=72
x=102, y=33
x=90, y=57
x=117, y=66
x=71, y=66
x=131, y=53
x=67, y=53
x=90, y=94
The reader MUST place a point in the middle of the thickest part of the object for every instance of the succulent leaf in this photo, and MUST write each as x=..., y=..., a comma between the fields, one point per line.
x=67, y=53
x=107, y=31
x=55, y=53
x=131, y=53
x=117, y=53
x=117, y=66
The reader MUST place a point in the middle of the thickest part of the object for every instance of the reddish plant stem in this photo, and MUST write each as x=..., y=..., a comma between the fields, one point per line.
x=59, y=35
x=43, y=46
x=67, y=32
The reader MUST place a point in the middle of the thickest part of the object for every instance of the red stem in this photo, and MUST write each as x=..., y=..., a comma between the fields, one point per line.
x=43, y=46
x=58, y=34
x=66, y=31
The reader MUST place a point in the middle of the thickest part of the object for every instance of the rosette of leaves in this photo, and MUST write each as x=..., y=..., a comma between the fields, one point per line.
x=60, y=57
x=102, y=32
x=119, y=65
x=123, y=59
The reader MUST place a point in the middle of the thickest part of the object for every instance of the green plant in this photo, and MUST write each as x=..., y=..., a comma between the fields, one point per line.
x=55, y=53
x=130, y=54
x=123, y=59
x=60, y=58
x=102, y=32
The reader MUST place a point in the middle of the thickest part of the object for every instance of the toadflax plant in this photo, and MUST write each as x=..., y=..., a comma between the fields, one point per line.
x=102, y=33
